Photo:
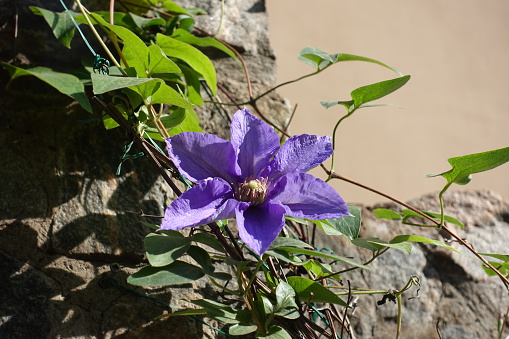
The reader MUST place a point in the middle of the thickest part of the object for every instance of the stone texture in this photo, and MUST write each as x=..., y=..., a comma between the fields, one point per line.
x=65, y=216
x=455, y=291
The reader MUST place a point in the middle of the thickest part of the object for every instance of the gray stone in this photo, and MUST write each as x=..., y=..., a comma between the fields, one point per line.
x=455, y=292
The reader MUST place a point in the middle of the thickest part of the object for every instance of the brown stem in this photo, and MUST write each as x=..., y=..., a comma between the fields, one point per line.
x=445, y=228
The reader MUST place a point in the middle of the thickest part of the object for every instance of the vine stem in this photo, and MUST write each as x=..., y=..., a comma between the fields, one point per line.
x=334, y=142
x=438, y=224
x=106, y=49
x=398, y=327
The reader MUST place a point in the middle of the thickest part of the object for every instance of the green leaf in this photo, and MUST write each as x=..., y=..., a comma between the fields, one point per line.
x=369, y=243
x=321, y=255
x=288, y=242
x=416, y=238
x=286, y=306
x=317, y=270
x=185, y=36
x=193, y=57
x=193, y=85
x=157, y=92
x=348, y=226
x=191, y=123
x=106, y=83
x=206, y=239
x=285, y=256
x=320, y=59
x=203, y=259
x=174, y=119
x=191, y=312
x=135, y=51
x=464, y=166
x=142, y=22
x=159, y=63
x=402, y=246
x=377, y=90
x=61, y=24
x=172, y=7
x=308, y=290
x=176, y=273
x=503, y=268
x=329, y=104
x=503, y=257
x=65, y=83
x=275, y=332
x=240, y=329
x=407, y=214
x=163, y=250
x=383, y=213
x=218, y=311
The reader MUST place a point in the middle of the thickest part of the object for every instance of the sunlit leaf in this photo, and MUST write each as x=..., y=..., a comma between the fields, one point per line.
x=308, y=290
x=377, y=90
x=383, y=213
x=172, y=7
x=408, y=214
x=416, y=238
x=320, y=59
x=321, y=255
x=464, y=166
x=184, y=36
x=60, y=23
x=503, y=268
x=192, y=56
x=348, y=226
x=289, y=242
x=503, y=257
x=159, y=63
x=402, y=246
x=135, y=51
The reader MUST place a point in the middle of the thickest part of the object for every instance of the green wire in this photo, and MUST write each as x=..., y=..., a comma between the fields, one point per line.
x=78, y=28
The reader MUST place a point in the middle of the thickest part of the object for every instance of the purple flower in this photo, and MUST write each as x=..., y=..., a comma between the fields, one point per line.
x=251, y=178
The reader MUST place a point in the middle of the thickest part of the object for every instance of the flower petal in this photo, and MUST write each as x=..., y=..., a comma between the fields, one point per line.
x=305, y=196
x=204, y=203
x=201, y=156
x=254, y=141
x=260, y=225
x=300, y=153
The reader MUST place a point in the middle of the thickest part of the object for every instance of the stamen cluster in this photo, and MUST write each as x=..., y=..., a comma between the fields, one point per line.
x=252, y=190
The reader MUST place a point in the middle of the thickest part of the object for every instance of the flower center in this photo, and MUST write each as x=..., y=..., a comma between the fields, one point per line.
x=252, y=190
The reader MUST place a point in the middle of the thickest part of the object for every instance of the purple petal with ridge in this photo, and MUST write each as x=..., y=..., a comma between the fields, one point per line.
x=300, y=153
x=202, y=156
x=260, y=225
x=204, y=203
x=305, y=196
x=255, y=142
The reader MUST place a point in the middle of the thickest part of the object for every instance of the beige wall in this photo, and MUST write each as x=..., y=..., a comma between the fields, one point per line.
x=456, y=103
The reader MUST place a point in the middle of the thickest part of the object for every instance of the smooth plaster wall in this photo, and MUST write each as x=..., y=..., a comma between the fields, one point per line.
x=456, y=103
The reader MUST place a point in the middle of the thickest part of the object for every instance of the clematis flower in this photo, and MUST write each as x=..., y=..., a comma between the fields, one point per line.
x=252, y=179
